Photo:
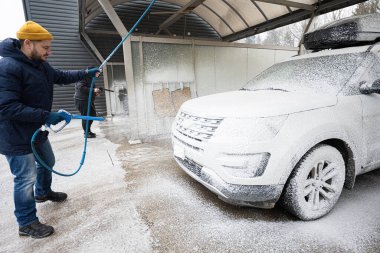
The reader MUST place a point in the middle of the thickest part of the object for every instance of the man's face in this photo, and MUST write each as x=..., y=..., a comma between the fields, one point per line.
x=40, y=50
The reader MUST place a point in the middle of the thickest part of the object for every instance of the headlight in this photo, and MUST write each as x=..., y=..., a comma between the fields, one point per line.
x=244, y=165
x=251, y=129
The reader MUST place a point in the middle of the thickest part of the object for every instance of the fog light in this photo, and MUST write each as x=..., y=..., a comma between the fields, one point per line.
x=244, y=165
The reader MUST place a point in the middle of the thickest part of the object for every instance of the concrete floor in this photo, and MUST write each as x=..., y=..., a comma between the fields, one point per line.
x=137, y=199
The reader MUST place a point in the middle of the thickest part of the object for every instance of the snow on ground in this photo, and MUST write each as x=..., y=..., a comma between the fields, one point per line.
x=98, y=215
x=146, y=203
x=185, y=217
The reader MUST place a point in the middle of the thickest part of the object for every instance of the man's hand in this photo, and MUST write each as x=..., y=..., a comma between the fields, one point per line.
x=95, y=72
x=97, y=92
x=54, y=118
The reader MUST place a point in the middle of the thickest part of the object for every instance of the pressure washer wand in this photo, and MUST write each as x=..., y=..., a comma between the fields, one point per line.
x=128, y=34
x=104, y=89
x=68, y=117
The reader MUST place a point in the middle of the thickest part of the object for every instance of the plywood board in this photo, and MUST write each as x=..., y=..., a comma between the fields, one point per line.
x=163, y=104
x=180, y=96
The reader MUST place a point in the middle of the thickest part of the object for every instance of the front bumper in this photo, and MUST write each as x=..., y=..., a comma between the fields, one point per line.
x=261, y=196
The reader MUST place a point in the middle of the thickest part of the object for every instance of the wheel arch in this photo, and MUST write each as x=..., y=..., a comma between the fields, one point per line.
x=348, y=157
x=348, y=154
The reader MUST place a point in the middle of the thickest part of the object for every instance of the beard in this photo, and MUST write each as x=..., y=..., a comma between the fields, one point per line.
x=37, y=57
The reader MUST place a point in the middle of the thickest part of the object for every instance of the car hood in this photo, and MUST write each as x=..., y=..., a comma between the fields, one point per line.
x=260, y=103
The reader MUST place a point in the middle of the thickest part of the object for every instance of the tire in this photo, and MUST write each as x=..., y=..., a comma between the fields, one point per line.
x=315, y=184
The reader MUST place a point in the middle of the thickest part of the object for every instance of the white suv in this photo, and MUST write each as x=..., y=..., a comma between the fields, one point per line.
x=297, y=132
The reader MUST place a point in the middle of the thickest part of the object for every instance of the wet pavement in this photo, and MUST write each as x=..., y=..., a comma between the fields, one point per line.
x=98, y=215
x=135, y=198
x=183, y=216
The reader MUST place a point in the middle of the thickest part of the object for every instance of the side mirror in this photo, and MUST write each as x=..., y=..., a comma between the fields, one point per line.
x=376, y=84
x=363, y=88
x=374, y=88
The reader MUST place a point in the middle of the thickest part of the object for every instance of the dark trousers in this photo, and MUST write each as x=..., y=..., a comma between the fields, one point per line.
x=82, y=105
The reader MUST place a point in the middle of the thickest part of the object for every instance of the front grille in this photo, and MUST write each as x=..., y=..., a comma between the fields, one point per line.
x=197, y=128
x=187, y=144
x=191, y=165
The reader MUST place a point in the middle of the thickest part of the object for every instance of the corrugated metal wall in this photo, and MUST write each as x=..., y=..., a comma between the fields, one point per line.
x=61, y=18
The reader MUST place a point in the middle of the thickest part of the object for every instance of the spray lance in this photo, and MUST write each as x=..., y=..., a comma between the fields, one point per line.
x=119, y=92
x=68, y=117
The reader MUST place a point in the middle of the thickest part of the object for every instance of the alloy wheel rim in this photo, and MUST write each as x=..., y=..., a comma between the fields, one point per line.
x=320, y=185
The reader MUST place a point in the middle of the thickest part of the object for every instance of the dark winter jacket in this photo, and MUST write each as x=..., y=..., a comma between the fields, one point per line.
x=82, y=89
x=26, y=96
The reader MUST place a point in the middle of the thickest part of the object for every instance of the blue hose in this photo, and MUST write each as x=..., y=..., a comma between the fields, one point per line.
x=39, y=159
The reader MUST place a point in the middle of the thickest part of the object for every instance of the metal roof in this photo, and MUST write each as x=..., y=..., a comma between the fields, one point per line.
x=227, y=20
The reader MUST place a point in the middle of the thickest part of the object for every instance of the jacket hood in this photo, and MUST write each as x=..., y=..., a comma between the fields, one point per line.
x=266, y=103
x=11, y=48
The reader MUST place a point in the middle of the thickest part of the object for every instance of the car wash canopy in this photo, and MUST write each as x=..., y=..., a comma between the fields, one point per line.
x=226, y=20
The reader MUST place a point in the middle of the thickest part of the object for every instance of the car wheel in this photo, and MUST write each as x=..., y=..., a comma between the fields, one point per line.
x=315, y=184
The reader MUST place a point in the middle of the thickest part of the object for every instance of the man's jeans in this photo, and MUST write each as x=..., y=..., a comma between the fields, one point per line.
x=29, y=173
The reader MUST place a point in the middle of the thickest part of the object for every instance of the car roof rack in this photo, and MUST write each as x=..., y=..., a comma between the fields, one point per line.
x=353, y=31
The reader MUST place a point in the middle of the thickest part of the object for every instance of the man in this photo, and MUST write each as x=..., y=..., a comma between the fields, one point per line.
x=82, y=90
x=26, y=96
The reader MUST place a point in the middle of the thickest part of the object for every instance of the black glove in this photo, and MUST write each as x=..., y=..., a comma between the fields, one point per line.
x=92, y=72
x=54, y=118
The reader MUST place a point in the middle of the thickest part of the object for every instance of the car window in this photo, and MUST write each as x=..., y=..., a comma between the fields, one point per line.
x=373, y=73
x=323, y=74
x=369, y=71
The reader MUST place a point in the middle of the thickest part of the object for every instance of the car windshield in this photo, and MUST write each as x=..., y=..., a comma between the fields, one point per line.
x=322, y=74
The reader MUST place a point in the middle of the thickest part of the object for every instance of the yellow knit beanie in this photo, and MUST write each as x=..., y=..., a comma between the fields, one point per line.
x=33, y=31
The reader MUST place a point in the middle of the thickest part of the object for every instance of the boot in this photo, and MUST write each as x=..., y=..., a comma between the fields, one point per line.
x=36, y=230
x=52, y=196
x=90, y=135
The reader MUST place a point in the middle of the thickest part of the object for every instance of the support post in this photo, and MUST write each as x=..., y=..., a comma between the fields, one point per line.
x=306, y=30
x=127, y=52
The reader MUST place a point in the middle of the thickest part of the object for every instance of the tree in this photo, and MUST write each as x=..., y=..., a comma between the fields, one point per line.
x=292, y=34
x=297, y=30
x=288, y=39
x=367, y=7
x=256, y=39
x=273, y=38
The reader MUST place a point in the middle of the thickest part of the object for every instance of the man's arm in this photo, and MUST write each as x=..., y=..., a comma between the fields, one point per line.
x=72, y=76
x=68, y=76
